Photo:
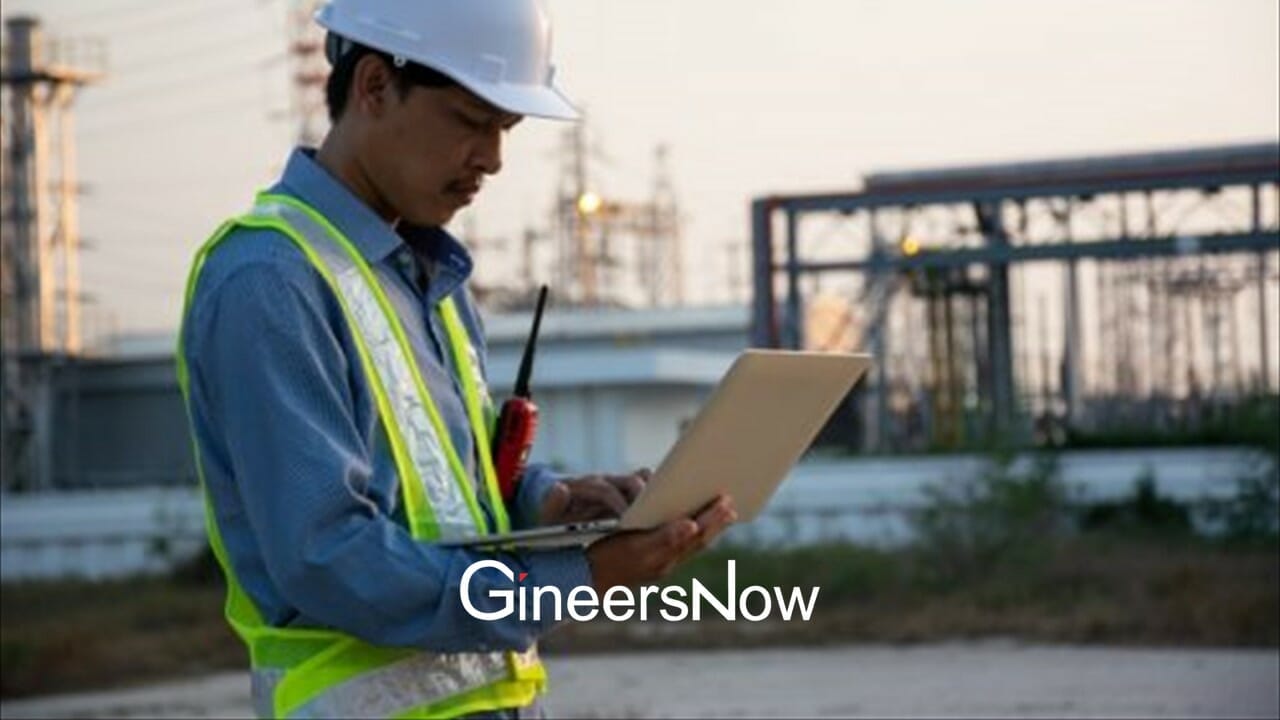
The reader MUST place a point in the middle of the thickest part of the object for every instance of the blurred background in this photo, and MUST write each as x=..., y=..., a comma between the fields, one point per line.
x=1055, y=225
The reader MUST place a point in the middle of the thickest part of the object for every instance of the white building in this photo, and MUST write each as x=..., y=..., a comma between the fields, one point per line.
x=614, y=387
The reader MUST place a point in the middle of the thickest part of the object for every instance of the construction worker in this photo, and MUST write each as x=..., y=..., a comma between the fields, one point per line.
x=333, y=368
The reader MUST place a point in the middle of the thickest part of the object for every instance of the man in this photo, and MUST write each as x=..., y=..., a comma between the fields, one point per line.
x=332, y=364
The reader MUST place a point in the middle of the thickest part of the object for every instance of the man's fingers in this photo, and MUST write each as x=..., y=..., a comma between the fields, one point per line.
x=681, y=533
x=712, y=521
x=555, y=502
x=673, y=544
x=629, y=485
x=718, y=512
x=601, y=492
x=649, y=555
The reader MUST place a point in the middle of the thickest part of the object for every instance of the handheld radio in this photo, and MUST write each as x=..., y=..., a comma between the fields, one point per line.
x=518, y=421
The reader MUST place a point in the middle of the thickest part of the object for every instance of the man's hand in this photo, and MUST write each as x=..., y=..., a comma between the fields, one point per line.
x=592, y=497
x=638, y=557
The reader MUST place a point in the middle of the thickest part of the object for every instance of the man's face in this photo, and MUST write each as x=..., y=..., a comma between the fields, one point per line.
x=430, y=151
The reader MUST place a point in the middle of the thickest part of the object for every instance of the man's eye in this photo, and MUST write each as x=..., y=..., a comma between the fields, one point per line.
x=473, y=123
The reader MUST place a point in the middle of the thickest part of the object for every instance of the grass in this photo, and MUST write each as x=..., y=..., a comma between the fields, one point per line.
x=1093, y=588
x=61, y=636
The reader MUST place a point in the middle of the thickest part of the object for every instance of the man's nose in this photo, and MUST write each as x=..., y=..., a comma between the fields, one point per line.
x=488, y=154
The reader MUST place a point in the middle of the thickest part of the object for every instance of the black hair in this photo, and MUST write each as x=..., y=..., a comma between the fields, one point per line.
x=343, y=56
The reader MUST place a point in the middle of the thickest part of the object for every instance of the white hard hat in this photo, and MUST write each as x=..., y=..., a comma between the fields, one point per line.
x=497, y=49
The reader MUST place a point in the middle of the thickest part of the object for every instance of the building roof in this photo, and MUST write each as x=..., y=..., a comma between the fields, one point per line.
x=557, y=324
x=559, y=369
x=1083, y=171
x=581, y=323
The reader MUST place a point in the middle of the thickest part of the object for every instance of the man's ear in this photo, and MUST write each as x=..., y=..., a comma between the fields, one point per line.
x=371, y=85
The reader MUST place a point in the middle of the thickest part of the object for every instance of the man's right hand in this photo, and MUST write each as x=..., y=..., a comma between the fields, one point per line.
x=638, y=557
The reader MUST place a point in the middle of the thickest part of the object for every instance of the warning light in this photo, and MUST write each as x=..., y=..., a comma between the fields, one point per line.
x=589, y=203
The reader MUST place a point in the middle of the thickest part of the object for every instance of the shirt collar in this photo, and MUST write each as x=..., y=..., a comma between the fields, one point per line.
x=305, y=179
x=376, y=240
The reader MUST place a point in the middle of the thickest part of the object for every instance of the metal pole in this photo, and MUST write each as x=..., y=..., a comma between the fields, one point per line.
x=44, y=238
x=69, y=220
x=876, y=414
x=1211, y=315
x=954, y=401
x=1046, y=400
x=794, y=332
x=1071, y=342
x=764, y=325
x=20, y=469
x=884, y=298
x=1264, y=326
x=999, y=344
x=24, y=184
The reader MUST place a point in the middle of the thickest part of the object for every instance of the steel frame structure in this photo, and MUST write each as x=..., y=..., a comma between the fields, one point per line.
x=1122, y=208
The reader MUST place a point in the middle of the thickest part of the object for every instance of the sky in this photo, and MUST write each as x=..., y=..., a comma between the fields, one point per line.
x=751, y=96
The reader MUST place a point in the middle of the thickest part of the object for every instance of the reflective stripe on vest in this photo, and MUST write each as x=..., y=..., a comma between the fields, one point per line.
x=449, y=492
x=410, y=684
x=311, y=673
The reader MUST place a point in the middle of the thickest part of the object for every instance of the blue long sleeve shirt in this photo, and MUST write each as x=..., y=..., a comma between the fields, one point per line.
x=294, y=458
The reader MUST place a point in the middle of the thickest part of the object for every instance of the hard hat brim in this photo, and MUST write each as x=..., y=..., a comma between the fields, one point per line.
x=542, y=101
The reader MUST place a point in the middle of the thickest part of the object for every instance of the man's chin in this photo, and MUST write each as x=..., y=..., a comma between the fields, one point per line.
x=431, y=217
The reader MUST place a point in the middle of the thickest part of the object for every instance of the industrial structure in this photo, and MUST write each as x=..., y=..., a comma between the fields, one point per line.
x=611, y=251
x=39, y=232
x=969, y=287
x=601, y=249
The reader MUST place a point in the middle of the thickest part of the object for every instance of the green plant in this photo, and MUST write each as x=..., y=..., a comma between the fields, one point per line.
x=1252, y=421
x=1143, y=512
x=1000, y=516
x=1253, y=512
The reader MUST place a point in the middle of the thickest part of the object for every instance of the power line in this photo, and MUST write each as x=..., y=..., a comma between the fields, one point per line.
x=190, y=81
x=167, y=122
x=184, y=13
x=133, y=7
x=171, y=61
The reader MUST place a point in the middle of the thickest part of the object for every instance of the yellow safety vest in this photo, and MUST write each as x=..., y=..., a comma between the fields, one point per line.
x=301, y=672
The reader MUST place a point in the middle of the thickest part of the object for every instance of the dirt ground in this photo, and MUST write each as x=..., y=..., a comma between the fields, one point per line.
x=985, y=679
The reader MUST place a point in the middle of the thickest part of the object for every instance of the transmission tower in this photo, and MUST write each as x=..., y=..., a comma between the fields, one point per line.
x=577, y=270
x=611, y=248
x=39, y=255
x=661, y=265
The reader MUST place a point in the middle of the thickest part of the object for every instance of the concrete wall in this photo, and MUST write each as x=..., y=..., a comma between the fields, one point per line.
x=616, y=385
x=116, y=532
x=119, y=423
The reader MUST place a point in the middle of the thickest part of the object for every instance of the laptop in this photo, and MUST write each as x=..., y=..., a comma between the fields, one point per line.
x=757, y=423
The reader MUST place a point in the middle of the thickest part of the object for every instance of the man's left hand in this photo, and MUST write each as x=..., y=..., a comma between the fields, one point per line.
x=591, y=497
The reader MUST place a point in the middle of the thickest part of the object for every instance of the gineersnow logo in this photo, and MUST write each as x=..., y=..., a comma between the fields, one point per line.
x=754, y=603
